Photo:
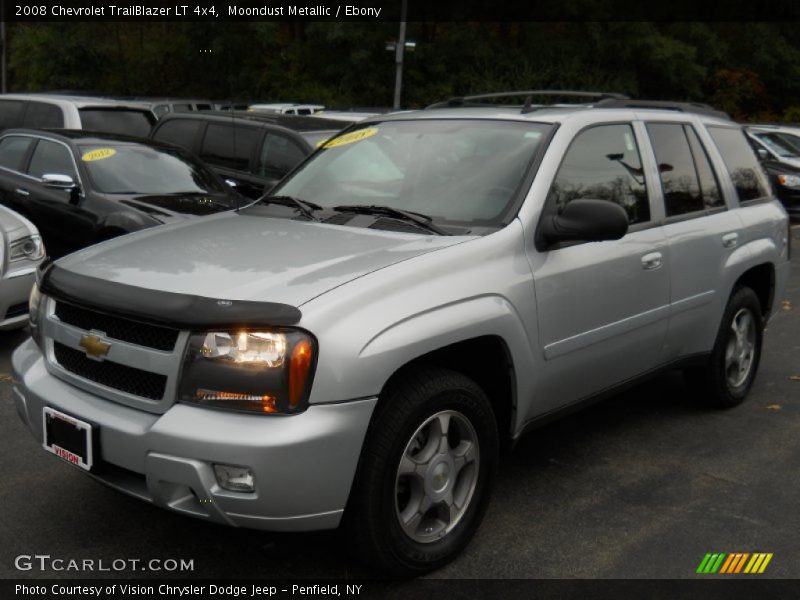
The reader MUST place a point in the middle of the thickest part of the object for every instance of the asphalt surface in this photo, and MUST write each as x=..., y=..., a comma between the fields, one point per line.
x=642, y=485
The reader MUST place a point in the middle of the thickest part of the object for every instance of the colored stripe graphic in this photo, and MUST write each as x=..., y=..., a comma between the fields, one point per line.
x=734, y=563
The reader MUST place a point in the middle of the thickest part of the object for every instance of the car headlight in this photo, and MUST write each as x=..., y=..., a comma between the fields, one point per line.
x=30, y=247
x=265, y=370
x=791, y=181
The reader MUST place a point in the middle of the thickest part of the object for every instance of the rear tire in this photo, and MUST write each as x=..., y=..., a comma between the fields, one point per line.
x=425, y=474
x=726, y=380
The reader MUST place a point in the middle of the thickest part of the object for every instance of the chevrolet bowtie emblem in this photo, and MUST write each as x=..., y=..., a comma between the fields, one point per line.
x=94, y=346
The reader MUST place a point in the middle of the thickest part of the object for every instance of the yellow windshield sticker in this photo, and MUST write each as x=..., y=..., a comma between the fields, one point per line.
x=349, y=138
x=99, y=154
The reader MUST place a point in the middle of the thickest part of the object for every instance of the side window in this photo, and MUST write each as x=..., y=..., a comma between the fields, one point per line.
x=41, y=114
x=679, y=180
x=182, y=107
x=746, y=174
x=603, y=163
x=709, y=186
x=10, y=113
x=51, y=157
x=12, y=151
x=229, y=146
x=181, y=132
x=278, y=156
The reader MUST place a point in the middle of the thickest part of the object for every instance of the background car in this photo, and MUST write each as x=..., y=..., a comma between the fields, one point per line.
x=162, y=106
x=80, y=188
x=21, y=251
x=778, y=150
x=250, y=150
x=288, y=108
x=75, y=112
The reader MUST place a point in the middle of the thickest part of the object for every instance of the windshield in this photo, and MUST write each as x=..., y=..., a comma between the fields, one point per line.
x=139, y=169
x=460, y=171
x=779, y=145
x=117, y=120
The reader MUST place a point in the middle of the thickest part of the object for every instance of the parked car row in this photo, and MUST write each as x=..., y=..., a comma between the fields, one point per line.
x=778, y=150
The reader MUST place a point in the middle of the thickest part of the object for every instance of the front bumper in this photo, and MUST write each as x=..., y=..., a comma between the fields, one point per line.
x=303, y=464
x=15, y=287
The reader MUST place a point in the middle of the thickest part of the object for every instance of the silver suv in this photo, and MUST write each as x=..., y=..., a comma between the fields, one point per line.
x=357, y=348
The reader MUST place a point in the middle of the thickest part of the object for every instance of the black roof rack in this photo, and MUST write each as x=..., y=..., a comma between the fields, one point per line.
x=687, y=107
x=527, y=104
x=593, y=99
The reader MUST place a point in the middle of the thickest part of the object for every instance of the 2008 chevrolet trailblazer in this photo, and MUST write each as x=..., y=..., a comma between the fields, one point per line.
x=357, y=347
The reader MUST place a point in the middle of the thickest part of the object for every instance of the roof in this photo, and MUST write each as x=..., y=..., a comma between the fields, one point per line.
x=80, y=101
x=91, y=137
x=294, y=122
x=544, y=114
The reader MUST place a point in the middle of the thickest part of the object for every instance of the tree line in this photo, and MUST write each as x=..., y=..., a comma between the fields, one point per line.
x=750, y=70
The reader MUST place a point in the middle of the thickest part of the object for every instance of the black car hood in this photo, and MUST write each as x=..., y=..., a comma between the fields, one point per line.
x=165, y=206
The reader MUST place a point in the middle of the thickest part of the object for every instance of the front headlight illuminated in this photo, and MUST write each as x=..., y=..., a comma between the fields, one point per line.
x=264, y=371
x=30, y=247
x=791, y=181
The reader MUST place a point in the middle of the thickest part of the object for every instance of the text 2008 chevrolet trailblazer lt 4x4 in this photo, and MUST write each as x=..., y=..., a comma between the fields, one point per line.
x=356, y=348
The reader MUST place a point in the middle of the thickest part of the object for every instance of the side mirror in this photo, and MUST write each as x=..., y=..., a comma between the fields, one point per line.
x=232, y=183
x=762, y=154
x=586, y=221
x=58, y=181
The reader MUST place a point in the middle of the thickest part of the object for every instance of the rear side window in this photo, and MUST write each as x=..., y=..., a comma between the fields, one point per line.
x=228, y=146
x=709, y=186
x=127, y=122
x=603, y=163
x=687, y=181
x=181, y=132
x=746, y=174
x=12, y=151
x=51, y=157
x=42, y=114
x=10, y=113
x=279, y=155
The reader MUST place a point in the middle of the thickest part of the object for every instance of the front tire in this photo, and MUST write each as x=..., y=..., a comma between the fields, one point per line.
x=425, y=475
x=729, y=375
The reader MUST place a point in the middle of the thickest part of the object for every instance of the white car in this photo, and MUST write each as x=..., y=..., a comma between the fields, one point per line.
x=21, y=251
x=288, y=108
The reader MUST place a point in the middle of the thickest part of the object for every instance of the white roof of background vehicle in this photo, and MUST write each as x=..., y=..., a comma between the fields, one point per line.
x=78, y=101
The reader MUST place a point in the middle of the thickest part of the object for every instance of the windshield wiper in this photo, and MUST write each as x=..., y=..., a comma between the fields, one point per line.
x=305, y=207
x=423, y=221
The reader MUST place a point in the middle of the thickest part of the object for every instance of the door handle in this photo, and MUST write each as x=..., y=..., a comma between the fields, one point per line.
x=729, y=240
x=22, y=192
x=651, y=261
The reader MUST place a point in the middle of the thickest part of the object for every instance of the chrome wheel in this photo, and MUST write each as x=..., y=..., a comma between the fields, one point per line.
x=436, y=476
x=740, y=351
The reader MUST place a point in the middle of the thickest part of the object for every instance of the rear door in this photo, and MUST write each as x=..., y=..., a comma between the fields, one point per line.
x=231, y=149
x=601, y=307
x=701, y=233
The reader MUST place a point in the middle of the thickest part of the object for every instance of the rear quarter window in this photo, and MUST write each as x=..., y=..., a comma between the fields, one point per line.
x=748, y=178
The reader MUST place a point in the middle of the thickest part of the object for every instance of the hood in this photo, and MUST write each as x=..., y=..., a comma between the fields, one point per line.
x=166, y=207
x=238, y=256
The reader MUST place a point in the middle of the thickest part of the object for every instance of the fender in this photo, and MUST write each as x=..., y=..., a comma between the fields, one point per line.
x=434, y=329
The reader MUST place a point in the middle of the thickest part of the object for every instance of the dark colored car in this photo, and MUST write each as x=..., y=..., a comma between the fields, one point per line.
x=80, y=188
x=778, y=150
x=251, y=151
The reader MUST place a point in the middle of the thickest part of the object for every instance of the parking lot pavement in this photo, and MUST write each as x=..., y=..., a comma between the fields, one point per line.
x=642, y=485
